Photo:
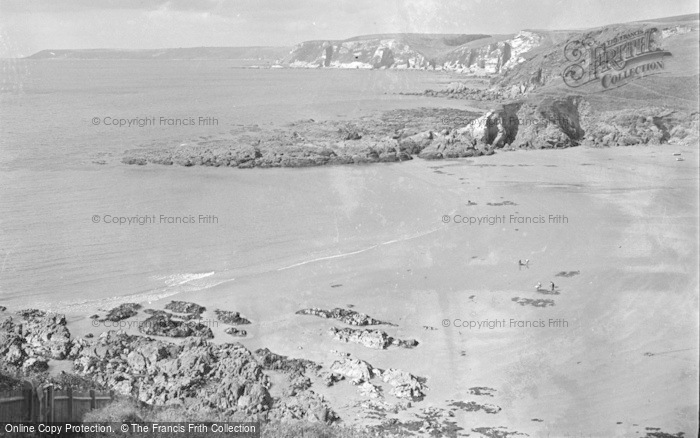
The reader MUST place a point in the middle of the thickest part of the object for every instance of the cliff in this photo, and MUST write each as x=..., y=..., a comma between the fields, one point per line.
x=400, y=51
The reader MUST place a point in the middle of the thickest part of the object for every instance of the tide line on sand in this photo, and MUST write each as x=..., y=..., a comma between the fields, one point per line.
x=348, y=254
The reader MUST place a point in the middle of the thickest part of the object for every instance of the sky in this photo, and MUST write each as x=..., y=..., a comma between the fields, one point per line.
x=28, y=26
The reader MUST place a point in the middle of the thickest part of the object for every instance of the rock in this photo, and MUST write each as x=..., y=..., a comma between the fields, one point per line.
x=185, y=307
x=414, y=144
x=347, y=316
x=46, y=334
x=164, y=325
x=353, y=368
x=405, y=384
x=376, y=339
x=553, y=123
x=496, y=128
x=236, y=332
x=228, y=317
x=31, y=313
x=271, y=361
x=331, y=379
x=123, y=311
x=368, y=390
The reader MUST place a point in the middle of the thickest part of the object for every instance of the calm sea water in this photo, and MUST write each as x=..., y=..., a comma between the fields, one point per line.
x=53, y=254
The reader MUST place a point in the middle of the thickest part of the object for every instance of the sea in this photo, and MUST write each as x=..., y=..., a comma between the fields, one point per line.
x=80, y=230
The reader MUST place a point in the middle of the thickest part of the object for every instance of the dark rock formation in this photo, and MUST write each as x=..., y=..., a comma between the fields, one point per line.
x=295, y=367
x=553, y=123
x=376, y=339
x=122, y=311
x=229, y=317
x=26, y=345
x=185, y=307
x=164, y=325
x=347, y=316
x=473, y=406
x=236, y=332
x=496, y=128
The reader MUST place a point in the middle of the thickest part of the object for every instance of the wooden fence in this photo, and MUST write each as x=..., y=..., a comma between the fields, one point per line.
x=46, y=404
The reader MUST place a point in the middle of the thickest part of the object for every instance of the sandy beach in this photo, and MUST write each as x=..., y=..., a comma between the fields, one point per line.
x=625, y=290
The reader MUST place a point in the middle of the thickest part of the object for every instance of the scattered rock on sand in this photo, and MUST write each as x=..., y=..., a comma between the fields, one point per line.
x=347, y=316
x=481, y=390
x=236, y=332
x=473, y=406
x=405, y=385
x=229, y=317
x=122, y=311
x=185, y=307
x=567, y=273
x=353, y=368
x=533, y=302
x=376, y=339
x=497, y=432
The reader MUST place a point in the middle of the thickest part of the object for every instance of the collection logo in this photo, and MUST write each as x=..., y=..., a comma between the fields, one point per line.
x=615, y=62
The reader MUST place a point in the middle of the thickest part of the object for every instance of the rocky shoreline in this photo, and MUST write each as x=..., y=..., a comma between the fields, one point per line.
x=196, y=378
x=196, y=375
x=431, y=134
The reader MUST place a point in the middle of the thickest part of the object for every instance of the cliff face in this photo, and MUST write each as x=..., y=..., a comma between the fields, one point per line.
x=496, y=57
x=374, y=53
x=464, y=53
x=400, y=51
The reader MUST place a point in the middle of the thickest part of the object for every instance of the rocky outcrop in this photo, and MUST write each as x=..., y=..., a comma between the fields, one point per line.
x=354, y=369
x=224, y=377
x=163, y=324
x=236, y=332
x=651, y=125
x=378, y=139
x=495, y=128
x=39, y=335
x=277, y=362
x=185, y=307
x=405, y=385
x=344, y=315
x=553, y=123
x=122, y=311
x=376, y=339
x=229, y=317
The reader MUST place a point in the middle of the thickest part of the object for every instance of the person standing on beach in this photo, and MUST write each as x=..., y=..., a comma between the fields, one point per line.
x=552, y=283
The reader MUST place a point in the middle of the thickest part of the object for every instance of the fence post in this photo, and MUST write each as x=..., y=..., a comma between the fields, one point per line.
x=93, y=402
x=49, y=404
x=27, y=393
x=111, y=395
x=69, y=393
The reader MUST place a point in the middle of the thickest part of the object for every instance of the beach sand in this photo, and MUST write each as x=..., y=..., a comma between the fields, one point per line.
x=624, y=356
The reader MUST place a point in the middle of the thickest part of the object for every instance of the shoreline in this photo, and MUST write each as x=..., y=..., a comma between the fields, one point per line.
x=538, y=122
